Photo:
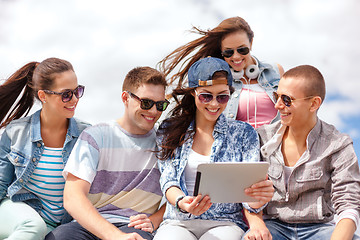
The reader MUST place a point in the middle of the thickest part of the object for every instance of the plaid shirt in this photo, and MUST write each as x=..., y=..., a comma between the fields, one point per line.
x=324, y=181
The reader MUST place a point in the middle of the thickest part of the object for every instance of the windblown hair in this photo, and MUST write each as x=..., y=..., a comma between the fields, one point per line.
x=173, y=130
x=24, y=84
x=143, y=75
x=315, y=81
x=207, y=45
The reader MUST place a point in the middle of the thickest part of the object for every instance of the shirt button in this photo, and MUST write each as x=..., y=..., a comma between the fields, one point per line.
x=34, y=159
x=231, y=115
x=21, y=180
x=16, y=159
x=38, y=144
x=236, y=94
x=265, y=154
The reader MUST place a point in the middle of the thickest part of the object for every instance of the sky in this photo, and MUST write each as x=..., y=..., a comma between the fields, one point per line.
x=105, y=39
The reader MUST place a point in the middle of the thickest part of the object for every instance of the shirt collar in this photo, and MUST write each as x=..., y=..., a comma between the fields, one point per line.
x=73, y=130
x=276, y=140
x=221, y=125
x=313, y=134
x=35, y=127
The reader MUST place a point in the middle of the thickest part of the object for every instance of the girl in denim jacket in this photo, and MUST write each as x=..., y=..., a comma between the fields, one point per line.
x=197, y=132
x=34, y=149
x=254, y=81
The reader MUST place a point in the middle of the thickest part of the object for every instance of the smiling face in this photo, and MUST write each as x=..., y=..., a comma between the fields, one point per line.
x=137, y=120
x=302, y=110
x=53, y=105
x=233, y=41
x=210, y=112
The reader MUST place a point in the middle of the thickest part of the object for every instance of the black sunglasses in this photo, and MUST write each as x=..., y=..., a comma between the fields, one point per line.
x=286, y=99
x=67, y=95
x=241, y=50
x=147, y=104
x=208, y=97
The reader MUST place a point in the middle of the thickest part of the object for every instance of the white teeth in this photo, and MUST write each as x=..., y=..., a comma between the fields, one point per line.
x=149, y=118
x=213, y=110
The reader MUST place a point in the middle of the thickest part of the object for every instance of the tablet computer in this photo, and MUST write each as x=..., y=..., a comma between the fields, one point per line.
x=225, y=182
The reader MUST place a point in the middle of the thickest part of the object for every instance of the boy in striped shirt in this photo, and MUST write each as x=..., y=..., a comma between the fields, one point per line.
x=112, y=180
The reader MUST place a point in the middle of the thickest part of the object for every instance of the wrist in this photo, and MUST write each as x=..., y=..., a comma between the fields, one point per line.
x=153, y=228
x=256, y=223
x=178, y=199
x=254, y=210
x=255, y=205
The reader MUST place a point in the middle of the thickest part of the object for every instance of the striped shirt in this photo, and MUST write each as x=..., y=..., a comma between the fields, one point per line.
x=121, y=168
x=48, y=183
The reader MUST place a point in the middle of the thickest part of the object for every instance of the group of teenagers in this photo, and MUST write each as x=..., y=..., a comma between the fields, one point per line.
x=134, y=178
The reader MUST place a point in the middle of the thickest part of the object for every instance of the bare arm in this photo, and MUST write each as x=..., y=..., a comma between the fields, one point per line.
x=81, y=209
x=258, y=229
x=157, y=217
x=344, y=230
x=172, y=193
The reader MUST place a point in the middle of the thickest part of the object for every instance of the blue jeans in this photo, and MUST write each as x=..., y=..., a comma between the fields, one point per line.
x=291, y=231
x=74, y=231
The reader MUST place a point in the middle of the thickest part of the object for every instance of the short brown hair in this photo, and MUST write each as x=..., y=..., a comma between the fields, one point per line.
x=315, y=81
x=143, y=75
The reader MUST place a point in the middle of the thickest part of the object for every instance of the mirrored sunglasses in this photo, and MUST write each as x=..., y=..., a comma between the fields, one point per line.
x=286, y=99
x=67, y=95
x=147, y=104
x=208, y=97
x=241, y=50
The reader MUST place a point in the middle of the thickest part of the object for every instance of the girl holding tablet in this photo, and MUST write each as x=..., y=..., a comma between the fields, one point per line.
x=198, y=132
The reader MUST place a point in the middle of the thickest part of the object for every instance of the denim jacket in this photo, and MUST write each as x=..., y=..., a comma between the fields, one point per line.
x=21, y=147
x=324, y=181
x=268, y=79
x=234, y=141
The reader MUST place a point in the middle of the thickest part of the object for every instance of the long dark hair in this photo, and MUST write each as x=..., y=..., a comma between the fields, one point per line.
x=173, y=130
x=207, y=45
x=24, y=84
